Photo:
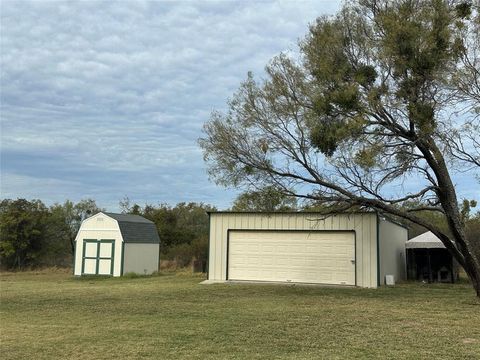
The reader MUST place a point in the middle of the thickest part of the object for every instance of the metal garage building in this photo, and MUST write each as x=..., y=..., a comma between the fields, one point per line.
x=356, y=249
x=115, y=244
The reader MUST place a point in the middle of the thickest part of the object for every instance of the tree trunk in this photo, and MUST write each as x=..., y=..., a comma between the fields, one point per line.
x=72, y=245
x=474, y=275
x=448, y=199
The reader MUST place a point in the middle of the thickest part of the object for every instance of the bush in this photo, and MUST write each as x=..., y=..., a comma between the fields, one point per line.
x=183, y=254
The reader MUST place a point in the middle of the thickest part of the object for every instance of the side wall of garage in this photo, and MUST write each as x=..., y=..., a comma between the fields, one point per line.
x=392, y=239
x=363, y=224
x=141, y=258
x=99, y=227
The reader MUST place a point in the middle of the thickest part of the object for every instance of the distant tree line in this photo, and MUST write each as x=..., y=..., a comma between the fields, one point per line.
x=183, y=228
x=33, y=234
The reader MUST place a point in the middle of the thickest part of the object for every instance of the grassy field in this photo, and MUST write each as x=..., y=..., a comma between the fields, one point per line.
x=55, y=316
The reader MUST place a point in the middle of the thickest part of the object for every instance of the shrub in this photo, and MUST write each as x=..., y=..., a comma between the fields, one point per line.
x=183, y=254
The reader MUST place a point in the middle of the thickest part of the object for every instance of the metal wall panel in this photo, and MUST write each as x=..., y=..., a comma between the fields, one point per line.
x=141, y=258
x=392, y=239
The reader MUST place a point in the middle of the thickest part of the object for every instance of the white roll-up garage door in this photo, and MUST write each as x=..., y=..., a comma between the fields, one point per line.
x=292, y=256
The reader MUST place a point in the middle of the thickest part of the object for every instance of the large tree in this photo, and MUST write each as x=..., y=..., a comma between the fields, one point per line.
x=379, y=108
x=23, y=232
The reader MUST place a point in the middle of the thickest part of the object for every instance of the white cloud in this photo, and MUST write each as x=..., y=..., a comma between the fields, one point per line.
x=108, y=98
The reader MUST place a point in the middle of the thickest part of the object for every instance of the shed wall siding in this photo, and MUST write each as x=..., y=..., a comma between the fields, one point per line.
x=141, y=258
x=106, y=229
x=392, y=239
x=364, y=225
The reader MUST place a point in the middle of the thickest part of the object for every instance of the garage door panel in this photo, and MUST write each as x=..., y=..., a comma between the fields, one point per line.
x=282, y=261
x=267, y=248
x=317, y=257
x=268, y=261
x=298, y=261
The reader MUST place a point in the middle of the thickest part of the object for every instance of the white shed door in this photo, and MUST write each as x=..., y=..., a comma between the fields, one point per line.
x=292, y=256
x=98, y=256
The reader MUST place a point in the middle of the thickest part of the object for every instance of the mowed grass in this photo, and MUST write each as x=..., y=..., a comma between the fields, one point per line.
x=56, y=316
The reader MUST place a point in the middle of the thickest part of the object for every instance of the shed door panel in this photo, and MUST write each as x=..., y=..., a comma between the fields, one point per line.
x=292, y=256
x=106, y=249
x=104, y=267
x=90, y=266
x=91, y=249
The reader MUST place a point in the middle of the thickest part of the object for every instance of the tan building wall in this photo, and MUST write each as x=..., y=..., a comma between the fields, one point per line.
x=392, y=239
x=363, y=224
x=141, y=258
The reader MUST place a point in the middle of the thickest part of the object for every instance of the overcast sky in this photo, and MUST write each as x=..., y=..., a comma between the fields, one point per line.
x=107, y=99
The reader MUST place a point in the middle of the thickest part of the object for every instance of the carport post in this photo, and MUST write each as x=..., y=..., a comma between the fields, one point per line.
x=451, y=271
x=429, y=267
x=408, y=264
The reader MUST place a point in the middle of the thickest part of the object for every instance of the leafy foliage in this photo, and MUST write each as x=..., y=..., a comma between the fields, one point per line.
x=70, y=217
x=22, y=231
x=32, y=234
x=183, y=228
x=268, y=199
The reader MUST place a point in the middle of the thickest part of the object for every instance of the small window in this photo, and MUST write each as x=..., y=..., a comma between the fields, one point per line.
x=99, y=219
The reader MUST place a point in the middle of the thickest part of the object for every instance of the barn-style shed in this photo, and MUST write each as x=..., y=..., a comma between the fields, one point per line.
x=356, y=249
x=115, y=244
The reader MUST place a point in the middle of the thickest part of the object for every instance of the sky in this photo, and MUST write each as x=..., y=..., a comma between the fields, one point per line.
x=107, y=100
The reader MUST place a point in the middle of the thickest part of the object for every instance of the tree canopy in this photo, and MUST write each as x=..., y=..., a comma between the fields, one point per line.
x=268, y=199
x=33, y=234
x=22, y=229
x=183, y=228
x=71, y=215
x=380, y=108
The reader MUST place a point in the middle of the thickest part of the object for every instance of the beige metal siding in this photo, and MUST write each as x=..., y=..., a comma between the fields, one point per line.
x=364, y=225
x=392, y=239
x=99, y=227
x=141, y=258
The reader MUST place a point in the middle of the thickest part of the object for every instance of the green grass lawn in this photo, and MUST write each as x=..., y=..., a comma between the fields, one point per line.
x=56, y=316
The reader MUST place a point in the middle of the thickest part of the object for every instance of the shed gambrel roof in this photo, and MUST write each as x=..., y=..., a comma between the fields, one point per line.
x=136, y=229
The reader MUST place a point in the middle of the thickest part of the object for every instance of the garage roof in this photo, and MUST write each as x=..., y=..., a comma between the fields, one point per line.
x=136, y=229
x=308, y=212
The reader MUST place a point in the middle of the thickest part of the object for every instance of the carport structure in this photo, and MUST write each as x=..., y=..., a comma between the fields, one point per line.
x=429, y=260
